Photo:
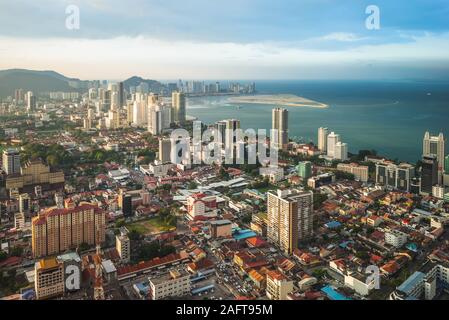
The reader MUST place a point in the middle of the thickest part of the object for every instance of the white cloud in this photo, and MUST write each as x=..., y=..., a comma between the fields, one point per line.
x=125, y=56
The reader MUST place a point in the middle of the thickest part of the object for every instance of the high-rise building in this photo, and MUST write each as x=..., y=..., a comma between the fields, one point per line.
x=220, y=127
x=56, y=230
x=429, y=173
x=332, y=140
x=393, y=176
x=341, y=151
x=125, y=203
x=165, y=150
x=11, y=161
x=322, y=139
x=121, y=95
x=290, y=218
x=446, y=164
x=123, y=246
x=31, y=101
x=179, y=107
x=24, y=203
x=434, y=145
x=280, y=123
x=304, y=169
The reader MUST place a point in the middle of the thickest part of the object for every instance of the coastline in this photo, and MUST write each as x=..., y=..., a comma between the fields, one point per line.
x=288, y=100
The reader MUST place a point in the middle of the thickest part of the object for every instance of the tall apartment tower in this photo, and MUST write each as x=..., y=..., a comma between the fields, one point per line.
x=290, y=218
x=165, y=150
x=179, y=107
x=332, y=140
x=121, y=95
x=280, y=123
x=429, y=173
x=322, y=139
x=11, y=161
x=31, y=101
x=434, y=145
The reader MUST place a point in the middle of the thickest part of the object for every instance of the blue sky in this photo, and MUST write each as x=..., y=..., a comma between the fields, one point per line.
x=251, y=39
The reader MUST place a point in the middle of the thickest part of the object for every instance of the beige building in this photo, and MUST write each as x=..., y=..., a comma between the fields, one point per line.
x=34, y=172
x=176, y=283
x=280, y=123
x=179, y=107
x=56, y=230
x=220, y=229
x=361, y=173
x=123, y=246
x=322, y=139
x=278, y=286
x=49, y=278
x=290, y=217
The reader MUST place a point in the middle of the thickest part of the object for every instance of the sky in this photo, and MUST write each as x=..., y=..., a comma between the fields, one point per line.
x=232, y=39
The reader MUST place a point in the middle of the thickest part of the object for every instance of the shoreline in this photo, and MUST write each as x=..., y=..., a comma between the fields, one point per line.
x=287, y=100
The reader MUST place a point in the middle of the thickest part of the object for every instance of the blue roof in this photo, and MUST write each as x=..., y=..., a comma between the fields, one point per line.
x=412, y=246
x=332, y=224
x=408, y=285
x=334, y=295
x=199, y=290
x=244, y=234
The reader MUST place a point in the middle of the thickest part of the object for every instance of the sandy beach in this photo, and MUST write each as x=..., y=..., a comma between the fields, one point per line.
x=287, y=100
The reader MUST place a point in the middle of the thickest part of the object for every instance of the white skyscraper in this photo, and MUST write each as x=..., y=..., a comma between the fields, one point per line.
x=322, y=139
x=341, y=151
x=332, y=140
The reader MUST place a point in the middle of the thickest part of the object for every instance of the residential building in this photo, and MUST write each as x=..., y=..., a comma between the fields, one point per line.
x=396, y=238
x=280, y=124
x=322, y=139
x=278, y=285
x=434, y=145
x=48, y=278
x=361, y=173
x=304, y=169
x=56, y=230
x=393, y=176
x=290, y=217
x=175, y=283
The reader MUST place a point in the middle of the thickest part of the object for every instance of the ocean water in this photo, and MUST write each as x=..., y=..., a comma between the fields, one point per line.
x=390, y=117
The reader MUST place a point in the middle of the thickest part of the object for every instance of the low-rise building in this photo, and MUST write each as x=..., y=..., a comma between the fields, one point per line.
x=175, y=283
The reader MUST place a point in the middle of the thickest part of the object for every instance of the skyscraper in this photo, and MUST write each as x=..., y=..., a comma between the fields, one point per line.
x=341, y=151
x=446, y=164
x=11, y=161
x=429, y=173
x=280, y=123
x=290, y=217
x=31, y=101
x=165, y=150
x=322, y=139
x=121, y=95
x=434, y=145
x=179, y=107
x=332, y=140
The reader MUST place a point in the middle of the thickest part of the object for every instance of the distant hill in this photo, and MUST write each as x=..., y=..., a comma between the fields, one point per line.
x=36, y=81
x=153, y=85
x=47, y=80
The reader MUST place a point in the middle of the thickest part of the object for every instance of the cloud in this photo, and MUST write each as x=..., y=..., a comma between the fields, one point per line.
x=342, y=36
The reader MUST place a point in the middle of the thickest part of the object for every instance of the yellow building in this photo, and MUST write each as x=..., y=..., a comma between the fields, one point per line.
x=56, y=230
x=49, y=278
x=32, y=173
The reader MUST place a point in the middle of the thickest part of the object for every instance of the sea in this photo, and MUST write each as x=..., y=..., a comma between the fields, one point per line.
x=390, y=117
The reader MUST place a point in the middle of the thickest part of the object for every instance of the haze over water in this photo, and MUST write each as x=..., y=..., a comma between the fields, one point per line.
x=390, y=117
